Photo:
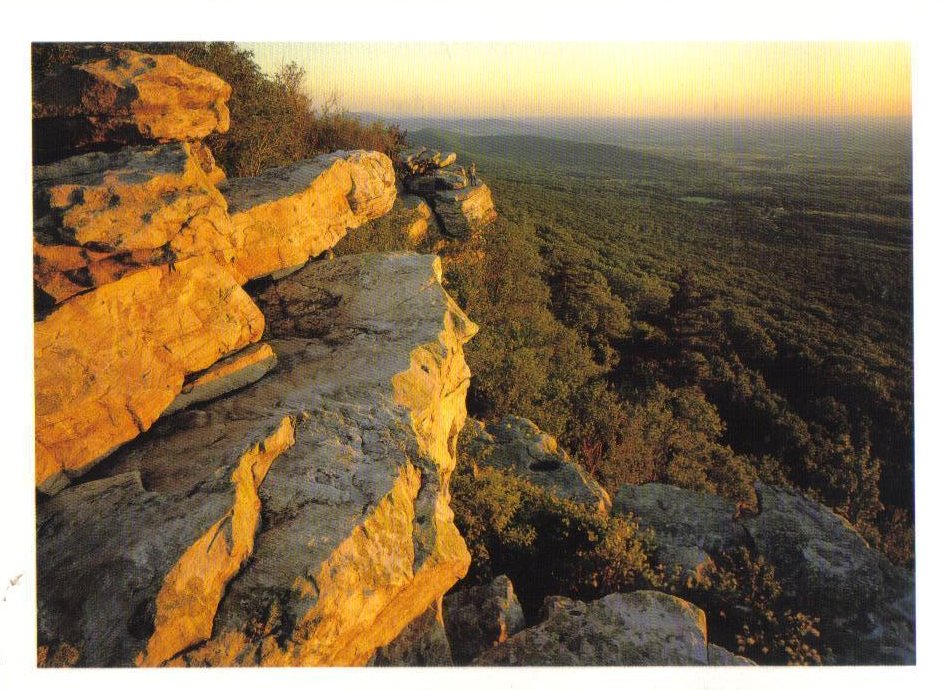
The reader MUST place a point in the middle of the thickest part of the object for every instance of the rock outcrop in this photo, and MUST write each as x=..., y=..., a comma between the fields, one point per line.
x=228, y=374
x=639, y=629
x=287, y=215
x=865, y=604
x=688, y=526
x=123, y=97
x=480, y=617
x=100, y=216
x=462, y=204
x=109, y=362
x=302, y=520
x=518, y=446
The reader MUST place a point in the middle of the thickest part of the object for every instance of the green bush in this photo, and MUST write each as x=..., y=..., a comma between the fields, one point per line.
x=544, y=544
x=742, y=600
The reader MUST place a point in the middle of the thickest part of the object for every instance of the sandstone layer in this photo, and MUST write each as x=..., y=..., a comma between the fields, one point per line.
x=865, y=603
x=100, y=216
x=287, y=215
x=125, y=97
x=517, y=446
x=302, y=520
x=109, y=362
x=638, y=629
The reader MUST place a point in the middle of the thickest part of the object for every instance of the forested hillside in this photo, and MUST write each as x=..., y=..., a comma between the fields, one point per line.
x=706, y=321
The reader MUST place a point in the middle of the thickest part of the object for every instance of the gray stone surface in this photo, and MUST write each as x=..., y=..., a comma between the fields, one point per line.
x=518, y=446
x=688, y=526
x=480, y=617
x=865, y=604
x=422, y=643
x=642, y=628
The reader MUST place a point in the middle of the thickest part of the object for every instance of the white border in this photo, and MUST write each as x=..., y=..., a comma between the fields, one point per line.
x=369, y=20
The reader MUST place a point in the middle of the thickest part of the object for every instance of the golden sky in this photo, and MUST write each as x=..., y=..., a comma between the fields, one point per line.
x=605, y=79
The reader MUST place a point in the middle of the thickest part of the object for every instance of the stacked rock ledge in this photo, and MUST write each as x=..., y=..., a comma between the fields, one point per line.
x=353, y=535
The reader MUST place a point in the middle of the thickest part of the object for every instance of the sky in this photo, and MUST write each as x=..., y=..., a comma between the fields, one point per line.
x=703, y=79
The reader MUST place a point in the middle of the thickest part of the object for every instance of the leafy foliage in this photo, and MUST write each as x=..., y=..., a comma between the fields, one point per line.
x=273, y=121
x=742, y=599
x=767, y=333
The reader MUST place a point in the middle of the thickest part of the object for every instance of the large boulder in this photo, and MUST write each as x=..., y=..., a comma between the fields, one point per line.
x=638, y=629
x=109, y=362
x=518, y=446
x=864, y=603
x=688, y=526
x=302, y=520
x=287, y=215
x=464, y=211
x=125, y=97
x=480, y=617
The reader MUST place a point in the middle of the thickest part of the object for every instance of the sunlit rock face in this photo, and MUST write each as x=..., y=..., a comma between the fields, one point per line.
x=300, y=520
x=109, y=362
x=100, y=216
x=287, y=215
x=124, y=97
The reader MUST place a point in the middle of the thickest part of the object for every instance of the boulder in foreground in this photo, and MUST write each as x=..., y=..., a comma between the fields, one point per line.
x=480, y=617
x=643, y=628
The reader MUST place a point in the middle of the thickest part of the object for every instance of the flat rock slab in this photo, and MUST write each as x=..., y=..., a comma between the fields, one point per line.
x=228, y=374
x=110, y=361
x=287, y=215
x=354, y=537
x=639, y=629
x=518, y=446
x=125, y=97
x=99, y=216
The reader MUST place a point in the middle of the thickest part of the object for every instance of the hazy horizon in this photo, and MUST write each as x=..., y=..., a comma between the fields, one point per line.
x=701, y=80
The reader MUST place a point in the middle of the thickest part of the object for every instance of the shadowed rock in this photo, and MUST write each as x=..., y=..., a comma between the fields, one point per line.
x=478, y=618
x=865, y=604
x=518, y=446
x=638, y=629
x=422, y=643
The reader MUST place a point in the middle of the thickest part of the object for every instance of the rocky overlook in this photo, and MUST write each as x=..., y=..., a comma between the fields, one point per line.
x=245, y=445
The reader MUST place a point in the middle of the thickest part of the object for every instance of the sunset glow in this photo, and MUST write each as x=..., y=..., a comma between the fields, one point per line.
x=605, y=79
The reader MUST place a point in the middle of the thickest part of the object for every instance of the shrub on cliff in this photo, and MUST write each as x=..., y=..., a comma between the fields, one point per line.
x=545, y=544
x=742, y=599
